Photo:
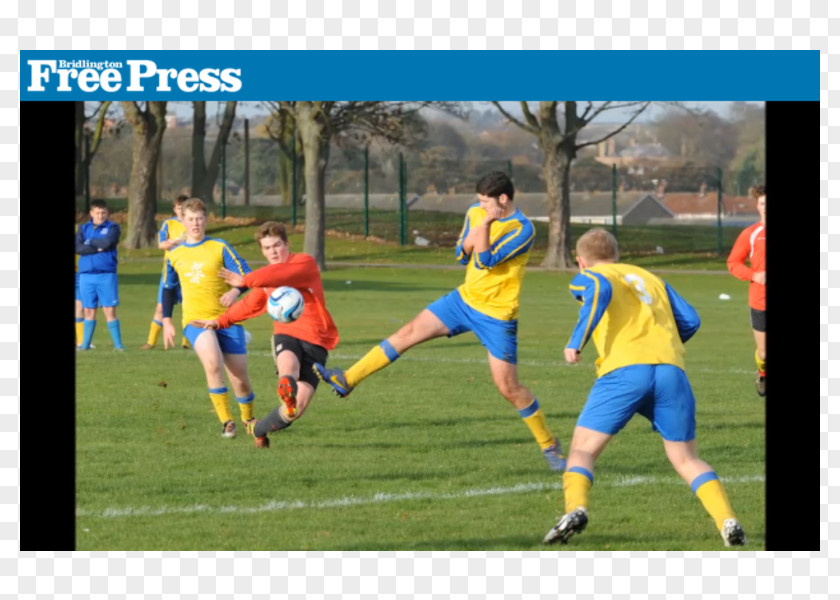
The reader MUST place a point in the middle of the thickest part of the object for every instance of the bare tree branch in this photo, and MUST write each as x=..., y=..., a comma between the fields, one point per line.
x=619, y=130
x=530, y=128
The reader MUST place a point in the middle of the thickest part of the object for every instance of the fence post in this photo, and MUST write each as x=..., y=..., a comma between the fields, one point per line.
x=224, y=180
x=719, y=211
x=247, y=165
x=402, y=202
x=614, y=201
x=367, y=217
x=294, y=177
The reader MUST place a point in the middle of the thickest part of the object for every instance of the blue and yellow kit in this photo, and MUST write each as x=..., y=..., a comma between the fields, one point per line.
x=198, y=266
x=494, y=278
x=632, y=317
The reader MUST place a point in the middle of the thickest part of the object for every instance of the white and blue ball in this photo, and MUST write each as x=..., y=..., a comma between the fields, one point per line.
x=285, y=304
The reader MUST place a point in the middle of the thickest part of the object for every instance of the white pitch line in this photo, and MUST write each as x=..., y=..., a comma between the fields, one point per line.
x=378, y=498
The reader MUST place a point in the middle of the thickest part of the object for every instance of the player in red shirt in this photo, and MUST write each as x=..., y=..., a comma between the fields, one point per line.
x=297, y=345
x=751, y=245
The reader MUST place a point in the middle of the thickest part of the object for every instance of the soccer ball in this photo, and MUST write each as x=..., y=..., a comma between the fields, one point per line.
x=285, y=304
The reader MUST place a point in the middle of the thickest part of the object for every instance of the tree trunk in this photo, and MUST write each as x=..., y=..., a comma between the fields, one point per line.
x=80, y=142
x=556, y=174
x=316, y=147
x=206, y=173
x=148, y=127
x=199, y=169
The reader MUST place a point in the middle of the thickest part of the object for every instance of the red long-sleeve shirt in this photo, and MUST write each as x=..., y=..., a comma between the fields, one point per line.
x=315, y=325
x=750, y=245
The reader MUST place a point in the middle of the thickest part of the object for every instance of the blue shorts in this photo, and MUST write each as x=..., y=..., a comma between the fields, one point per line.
x=499, y=337
x=98, y=289
x=231, y=340
x=161, y=287
x=660, y=393
x=78, y=291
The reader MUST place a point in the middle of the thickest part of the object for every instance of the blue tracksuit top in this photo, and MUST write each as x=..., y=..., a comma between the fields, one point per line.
x=97, y=247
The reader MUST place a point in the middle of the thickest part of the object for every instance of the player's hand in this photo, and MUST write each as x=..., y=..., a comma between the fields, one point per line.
x=760, y=277
x=494, y=213
x=168, y=335
x=205, y=323
x=232, y=278
x=571, y=355
x=229, y=297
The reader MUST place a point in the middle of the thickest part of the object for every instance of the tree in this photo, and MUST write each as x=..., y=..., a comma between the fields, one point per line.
x=319, y=122
x=280, y=127
x=557, y=135
x=702, y=136
x=147, y=124
x=204, y=174
x=87, y=141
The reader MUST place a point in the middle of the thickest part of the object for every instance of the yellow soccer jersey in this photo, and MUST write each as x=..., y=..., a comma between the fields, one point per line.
x=632, y=316
x=198, y=266
x=494, y=277
x=171, y=229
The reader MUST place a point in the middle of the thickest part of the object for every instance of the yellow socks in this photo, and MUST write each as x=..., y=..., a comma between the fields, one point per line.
x=535, y=420
x=710, y=491
x=218, y=396
x=246, y=407
x=154, y=332
x=378, y=358
x=80, y=331
x=761, y=364
x=577, y=482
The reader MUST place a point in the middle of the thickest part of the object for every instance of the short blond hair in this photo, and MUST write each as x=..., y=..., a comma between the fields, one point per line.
x=194, y=205
x=597, y=244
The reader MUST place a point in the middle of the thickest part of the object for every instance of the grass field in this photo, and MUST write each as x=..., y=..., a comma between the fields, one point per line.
x=425, y=455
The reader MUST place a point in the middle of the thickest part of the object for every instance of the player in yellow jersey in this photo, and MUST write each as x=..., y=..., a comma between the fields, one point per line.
x=170, y=235
x=494, y=244
x=638, y=324
x=197, y=262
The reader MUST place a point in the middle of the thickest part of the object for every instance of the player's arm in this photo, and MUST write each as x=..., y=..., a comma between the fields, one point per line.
x=594, y=292
x=233, y=262
x=737, y=260
x=303, y=274
x=686, y=317
x=252, y=305
x=107, y=241
x=168, y=301
x=82, y=245
x=487, y=255
x=464, y=246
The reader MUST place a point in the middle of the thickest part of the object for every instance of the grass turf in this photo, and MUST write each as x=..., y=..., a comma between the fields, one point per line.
x=425, y=455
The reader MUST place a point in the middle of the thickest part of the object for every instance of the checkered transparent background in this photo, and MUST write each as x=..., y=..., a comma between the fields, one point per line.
x=435, y=24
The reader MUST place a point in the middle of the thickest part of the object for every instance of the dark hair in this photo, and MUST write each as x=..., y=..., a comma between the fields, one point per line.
x=272, y=229
x=99, y=203
x=180, y=199
x=494, y=184
x=758, y=191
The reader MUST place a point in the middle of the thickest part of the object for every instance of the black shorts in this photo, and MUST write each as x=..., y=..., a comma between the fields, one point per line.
x=759, y=319
x=308, y=354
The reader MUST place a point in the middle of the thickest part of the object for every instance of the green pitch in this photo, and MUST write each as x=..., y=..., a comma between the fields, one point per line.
x=425, y=455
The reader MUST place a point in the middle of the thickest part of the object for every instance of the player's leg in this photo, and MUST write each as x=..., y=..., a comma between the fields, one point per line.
x=505, y=377
x=232, y=344
x=80, y=315
x=157, y=319
x=109, y=299
x=421, y=328
x=206, y=346
x=587, y=444
x=87, y=288
x=673, y=417
x=294, y=394
x=759, y=326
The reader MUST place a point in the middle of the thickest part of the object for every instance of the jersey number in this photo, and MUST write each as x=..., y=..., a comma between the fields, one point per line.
x=638, y=285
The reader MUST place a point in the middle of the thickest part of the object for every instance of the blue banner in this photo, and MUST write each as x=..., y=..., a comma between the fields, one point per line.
x=252, y=75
